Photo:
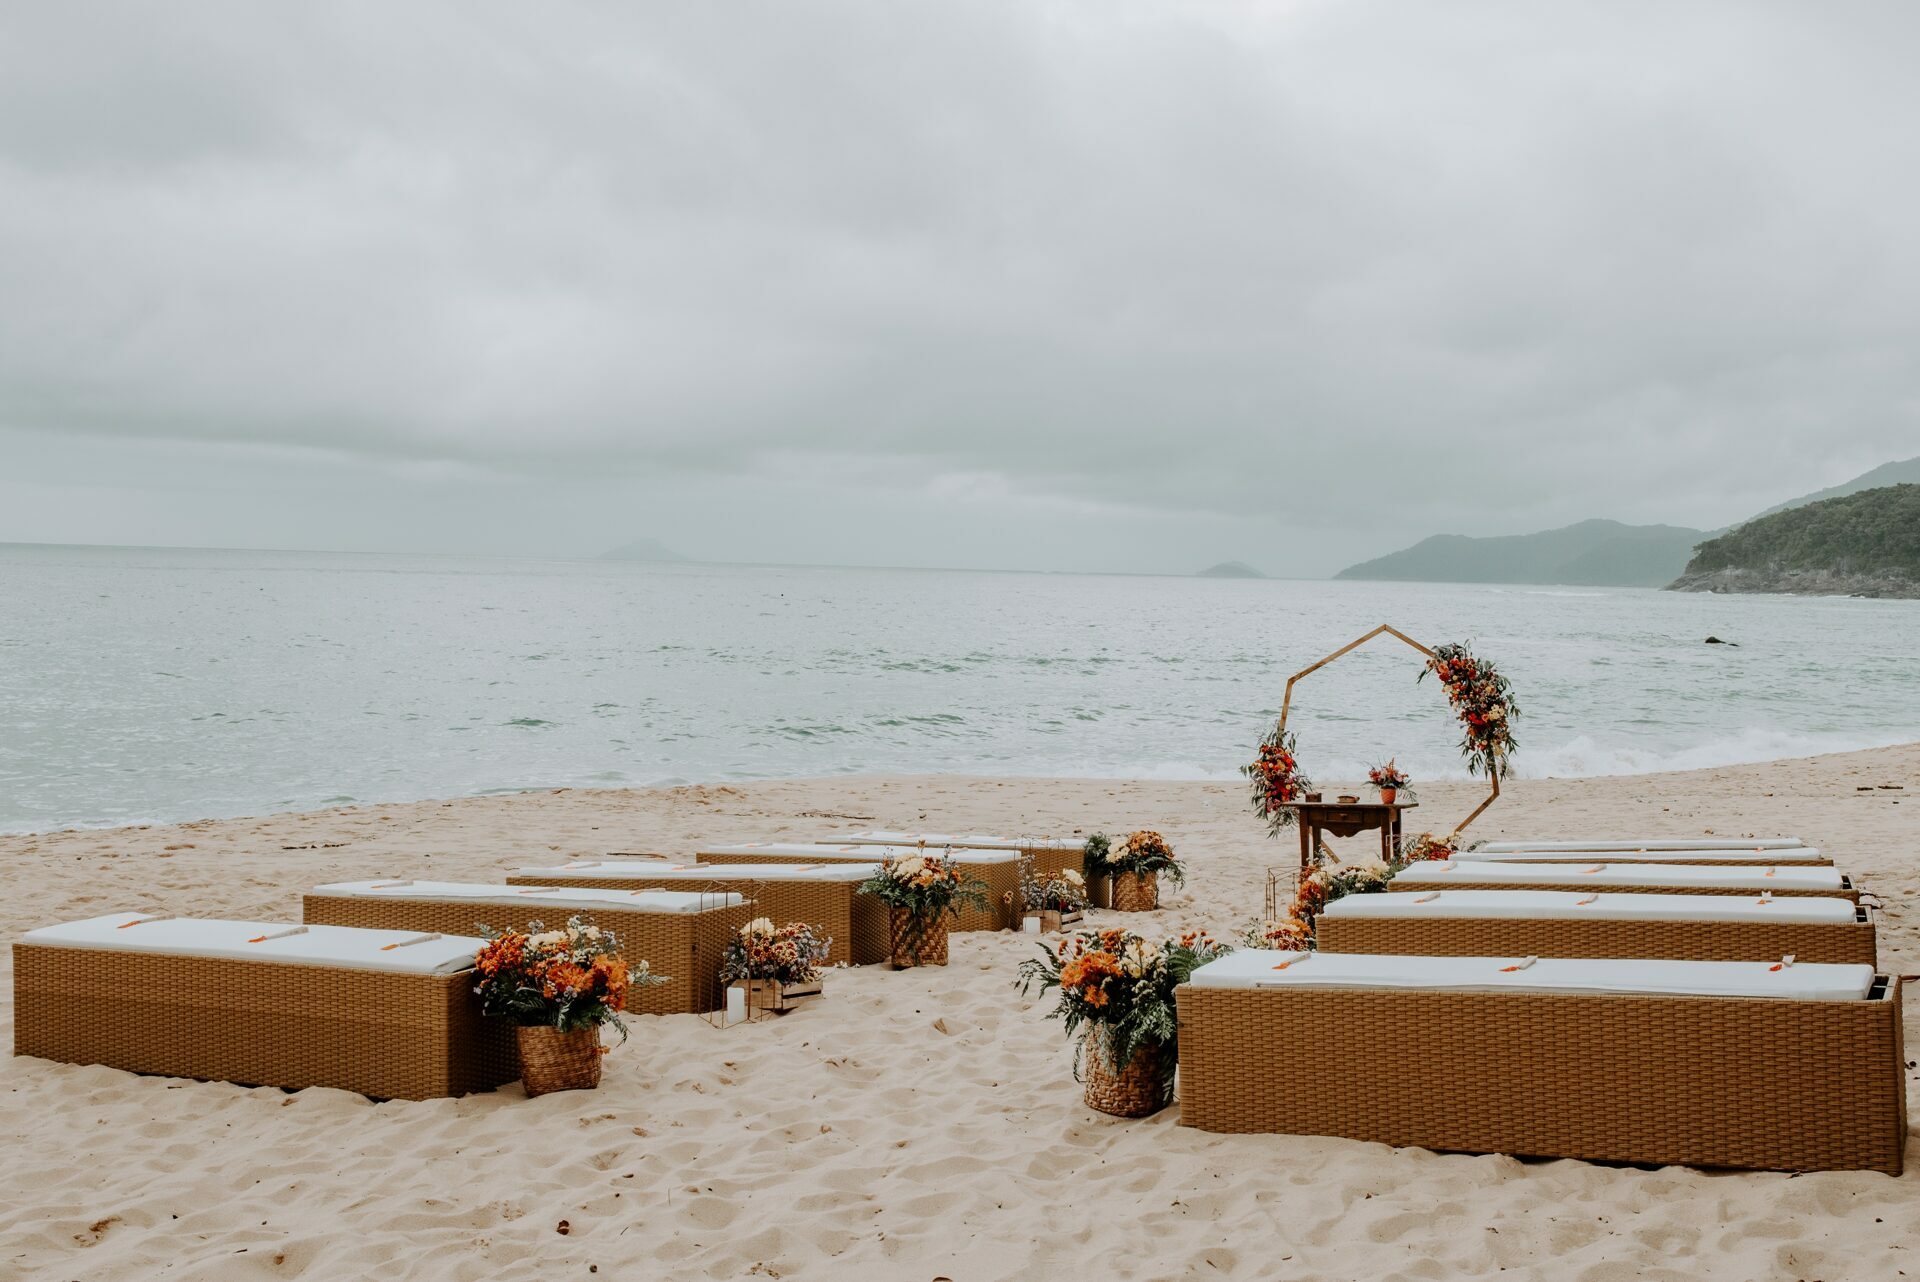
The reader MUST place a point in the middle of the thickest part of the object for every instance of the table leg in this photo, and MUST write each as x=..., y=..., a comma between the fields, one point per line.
x=1386, y=841
x=1306, y=846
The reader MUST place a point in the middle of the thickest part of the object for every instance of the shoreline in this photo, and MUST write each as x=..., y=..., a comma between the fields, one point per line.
x=1229, y=781
x=911, y=1124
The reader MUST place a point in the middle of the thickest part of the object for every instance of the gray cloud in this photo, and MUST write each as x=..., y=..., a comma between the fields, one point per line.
x=1112, y=285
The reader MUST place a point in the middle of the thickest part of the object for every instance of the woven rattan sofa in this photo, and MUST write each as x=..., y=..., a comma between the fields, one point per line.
x=1593, y=923
x=389, y=1014
x=680, y=935
x=999, y=869
x=1739, y=1064
x=1649, y=879
x=1051, y=855
x=826, y=896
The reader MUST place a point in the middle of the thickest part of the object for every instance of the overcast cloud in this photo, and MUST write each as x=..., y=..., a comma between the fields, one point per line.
x=1103, y=285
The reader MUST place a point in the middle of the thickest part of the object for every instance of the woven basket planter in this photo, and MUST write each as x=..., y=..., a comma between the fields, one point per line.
x=1142, y=1088
x=917, y=941
x=1136, y=892
x=551, y=1060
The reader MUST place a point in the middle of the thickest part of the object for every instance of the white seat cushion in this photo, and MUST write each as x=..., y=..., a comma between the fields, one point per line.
x=656, y=901
x=970, y=841
x=1574, y=905
x=1691, y=876
x=666, y=876
x=1258, y=968
x=801, y=852
x=403, y=951
x=1694, y=855
x=1647, y=843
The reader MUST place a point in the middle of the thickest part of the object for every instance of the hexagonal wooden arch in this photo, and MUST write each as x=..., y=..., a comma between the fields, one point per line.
x=1286, y=705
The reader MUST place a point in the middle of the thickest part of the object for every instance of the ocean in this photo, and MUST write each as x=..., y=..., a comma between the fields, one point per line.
x=143, y=685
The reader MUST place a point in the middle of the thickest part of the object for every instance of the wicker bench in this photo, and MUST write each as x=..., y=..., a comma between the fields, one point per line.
x=1797, y=856
x=1703, y=1063
x=1647, y=879
x=825, y=896
x=1571, y=923
x=1051, y=855
x=388, y=1014
x=681, y=936
x=999, y=869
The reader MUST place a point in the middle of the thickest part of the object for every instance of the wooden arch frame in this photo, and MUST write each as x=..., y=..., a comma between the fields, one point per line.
x=1286, y=706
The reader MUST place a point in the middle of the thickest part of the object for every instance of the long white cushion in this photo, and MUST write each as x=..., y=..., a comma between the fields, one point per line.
x=1647, y=843
x=801, y=852
x=1572, y=905
x=1257, y=968
x=652, y=901
x=403, y=951
x=970, y=841
x=1701, y=876
x=834, y=871
x=1782, y=855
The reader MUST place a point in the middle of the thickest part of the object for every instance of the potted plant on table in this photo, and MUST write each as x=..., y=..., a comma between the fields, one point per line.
x=558, y=987
x=1136, y=868
x=1390, y=780
x=1116, y=996
x=923, y=891
x=1056, y=901
x=777, y=967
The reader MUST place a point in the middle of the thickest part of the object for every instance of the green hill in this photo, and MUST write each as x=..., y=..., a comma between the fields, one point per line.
x=1866, y=543
x=1904, y=472
x=1589, y=554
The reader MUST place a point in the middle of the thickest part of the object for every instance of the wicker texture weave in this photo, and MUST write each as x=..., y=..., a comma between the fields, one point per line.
x=1002, y=884
x=1758, y=859
x=385, y=1035
x=856, y=923
x=551, y=1060
x=1136, y=892
x=1847, y=889
x=917, y=941
x=1142, y=1088
x=1702, y=1081
x=1679, y=940
x=686, y=948
x=1050, y=863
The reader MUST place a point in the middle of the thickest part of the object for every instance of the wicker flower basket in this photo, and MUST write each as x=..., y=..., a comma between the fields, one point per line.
x=551, y=1060
x=916, y=941
x=1136, y=892
x=1142, y=1088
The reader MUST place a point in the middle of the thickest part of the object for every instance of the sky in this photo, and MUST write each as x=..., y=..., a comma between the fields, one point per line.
x=1107, y=286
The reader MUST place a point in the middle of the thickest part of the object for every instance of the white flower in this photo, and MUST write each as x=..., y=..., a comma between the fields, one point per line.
x=760, y=926
x=1074, y=879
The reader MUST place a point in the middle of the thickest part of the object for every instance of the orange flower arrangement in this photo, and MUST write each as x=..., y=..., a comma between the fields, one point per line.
x=564, y=979
x=1117, y=985
x=1277, y=780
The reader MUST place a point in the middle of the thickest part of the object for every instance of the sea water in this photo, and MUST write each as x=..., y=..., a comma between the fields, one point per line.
x=153, y=684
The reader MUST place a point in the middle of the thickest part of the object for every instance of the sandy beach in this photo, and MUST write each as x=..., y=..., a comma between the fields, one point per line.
x=915, y=1125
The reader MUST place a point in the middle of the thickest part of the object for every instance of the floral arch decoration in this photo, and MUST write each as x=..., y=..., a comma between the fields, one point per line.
x=1478, y=694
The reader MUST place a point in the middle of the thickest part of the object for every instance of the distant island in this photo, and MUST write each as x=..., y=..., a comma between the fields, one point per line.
x=644, y=550
x=1596, y=553
x=1230, y=570
x=1590, y=554
x=1865, y=543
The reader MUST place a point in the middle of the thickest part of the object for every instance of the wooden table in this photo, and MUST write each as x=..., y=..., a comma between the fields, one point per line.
x=1345, y=819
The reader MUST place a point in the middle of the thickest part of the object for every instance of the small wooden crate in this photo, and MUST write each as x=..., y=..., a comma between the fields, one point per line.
x=770, y=996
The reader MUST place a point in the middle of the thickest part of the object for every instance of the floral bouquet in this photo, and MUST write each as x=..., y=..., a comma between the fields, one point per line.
x=558, y=987
x=1116, y=997
x=1143, y=853
x=788, y=954
x=1064, y=897
x=563, y=979
x=1389, y=778
x=922, y=890
x=1330, y=882
x=1427, y=846
x=1286, y=935
x=1277, y=781
x=1485, y=705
